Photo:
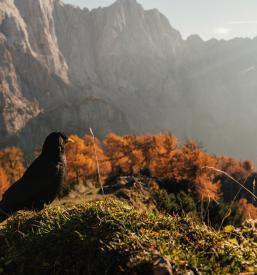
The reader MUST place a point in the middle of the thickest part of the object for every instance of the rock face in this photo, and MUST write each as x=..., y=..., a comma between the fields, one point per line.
x=121, y=69
x=38, y=92
x=16, y=110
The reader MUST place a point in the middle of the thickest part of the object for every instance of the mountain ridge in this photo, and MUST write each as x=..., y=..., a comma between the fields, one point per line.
x=136, y=62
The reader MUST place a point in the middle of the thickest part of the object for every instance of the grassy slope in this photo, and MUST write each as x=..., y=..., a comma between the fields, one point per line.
x=111, y=237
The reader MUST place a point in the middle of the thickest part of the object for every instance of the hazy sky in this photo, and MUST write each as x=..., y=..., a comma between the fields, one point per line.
x=208, y=18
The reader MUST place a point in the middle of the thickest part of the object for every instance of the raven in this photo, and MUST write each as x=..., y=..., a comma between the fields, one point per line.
x=41, y=182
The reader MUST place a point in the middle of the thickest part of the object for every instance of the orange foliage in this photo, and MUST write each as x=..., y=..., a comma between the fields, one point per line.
x=81, y=159
x=240, y=170
x=123, y=153
x=189, y=165
x=4, y=182
x=12, y=161
x=248, y=210
x=163, y=150
x=131, y=153
x=160, y=153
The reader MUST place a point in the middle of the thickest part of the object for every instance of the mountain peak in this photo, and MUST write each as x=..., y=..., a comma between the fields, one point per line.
x=195, y=39
x=127, y=2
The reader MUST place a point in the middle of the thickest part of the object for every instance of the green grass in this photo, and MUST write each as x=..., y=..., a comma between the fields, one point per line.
x=111, y=237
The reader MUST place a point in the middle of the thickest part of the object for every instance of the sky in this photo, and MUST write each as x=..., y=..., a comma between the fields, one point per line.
x=222, y=19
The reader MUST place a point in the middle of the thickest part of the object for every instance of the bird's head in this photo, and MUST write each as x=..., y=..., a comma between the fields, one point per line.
x=54, y=145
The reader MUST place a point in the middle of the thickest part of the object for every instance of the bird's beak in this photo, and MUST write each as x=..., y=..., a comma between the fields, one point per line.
x=70, y=140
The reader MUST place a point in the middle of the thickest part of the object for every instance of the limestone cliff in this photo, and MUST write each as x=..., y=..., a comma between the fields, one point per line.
x=36, y=92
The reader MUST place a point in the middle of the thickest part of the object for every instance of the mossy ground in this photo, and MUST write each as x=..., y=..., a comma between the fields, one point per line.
x=111, y=237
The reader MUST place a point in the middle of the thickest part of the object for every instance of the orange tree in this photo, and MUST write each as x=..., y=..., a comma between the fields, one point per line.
x=161, y=154
x=12, y=161
x=189, y=165
x=4, y=182
x=129, y=154
x=163, y=149
x=81, y=159
x=247, y=209
x=121, y=153
x=241, y=171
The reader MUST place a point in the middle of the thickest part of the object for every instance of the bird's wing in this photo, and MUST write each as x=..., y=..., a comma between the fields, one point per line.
x=37, y=177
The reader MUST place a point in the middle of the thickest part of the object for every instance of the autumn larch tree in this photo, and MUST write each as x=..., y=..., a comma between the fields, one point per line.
x=4, y=182
x=12, y=161
x=81, y=159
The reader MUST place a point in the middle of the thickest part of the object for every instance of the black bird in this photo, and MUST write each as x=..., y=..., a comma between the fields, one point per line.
x=41, y=182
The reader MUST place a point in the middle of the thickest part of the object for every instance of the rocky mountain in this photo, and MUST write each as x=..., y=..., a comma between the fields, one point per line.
x=123, y=69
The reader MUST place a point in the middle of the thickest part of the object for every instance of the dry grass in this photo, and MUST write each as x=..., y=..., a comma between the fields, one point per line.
x=111, y=237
